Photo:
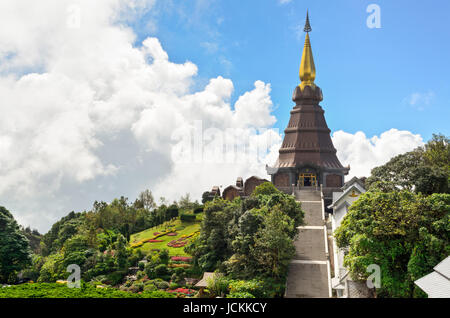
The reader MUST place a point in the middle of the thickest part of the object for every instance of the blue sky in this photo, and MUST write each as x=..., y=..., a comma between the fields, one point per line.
x=373, y=79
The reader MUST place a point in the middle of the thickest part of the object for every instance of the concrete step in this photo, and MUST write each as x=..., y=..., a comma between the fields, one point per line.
x=313, y=213
x=307, y=281
x=310, y=245
x=307, y=195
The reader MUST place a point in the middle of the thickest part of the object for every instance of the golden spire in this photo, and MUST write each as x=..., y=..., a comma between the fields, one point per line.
x=307, y=67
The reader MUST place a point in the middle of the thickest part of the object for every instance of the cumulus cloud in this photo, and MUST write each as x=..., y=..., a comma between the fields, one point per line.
x=363, y=153
x=89, y=115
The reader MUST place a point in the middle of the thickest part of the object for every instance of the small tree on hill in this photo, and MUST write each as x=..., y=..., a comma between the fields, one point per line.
x=15, y=253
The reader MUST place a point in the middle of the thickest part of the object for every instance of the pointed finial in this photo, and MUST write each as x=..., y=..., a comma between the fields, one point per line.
x=307, y=24
x=307, y=67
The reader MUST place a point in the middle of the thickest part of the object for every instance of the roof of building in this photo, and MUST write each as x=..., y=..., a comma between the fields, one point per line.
x=437, y=283
x=353, y=184
x=352, y=181
x=206, y=277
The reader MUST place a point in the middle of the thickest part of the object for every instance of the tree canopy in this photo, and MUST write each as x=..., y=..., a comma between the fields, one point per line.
x=424, y=170
x=15, y=253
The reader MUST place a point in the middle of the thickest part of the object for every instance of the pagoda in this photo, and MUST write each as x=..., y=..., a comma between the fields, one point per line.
x=307, y=157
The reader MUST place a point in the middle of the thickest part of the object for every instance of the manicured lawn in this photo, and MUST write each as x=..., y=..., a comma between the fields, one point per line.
x=187, y=229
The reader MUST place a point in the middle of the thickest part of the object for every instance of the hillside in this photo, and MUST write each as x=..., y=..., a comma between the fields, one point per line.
x=161, y=236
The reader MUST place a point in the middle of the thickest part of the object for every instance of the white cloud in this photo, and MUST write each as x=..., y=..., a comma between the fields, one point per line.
x=363, y=153
x=88, y=116
x=284, y=1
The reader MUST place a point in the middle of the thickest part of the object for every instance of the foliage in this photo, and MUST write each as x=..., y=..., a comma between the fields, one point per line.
x=273, y=248
x=218, y=285
x=49, y=290
x=253, y=287
x=188, y=217
x=15, y=253
x=406, y=234
x=240, y=295
x=425, y=170
x=267, y=188
x=122, y=254
x=248, y=238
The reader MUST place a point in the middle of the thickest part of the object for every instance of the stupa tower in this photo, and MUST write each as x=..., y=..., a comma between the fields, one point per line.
x=307, y=156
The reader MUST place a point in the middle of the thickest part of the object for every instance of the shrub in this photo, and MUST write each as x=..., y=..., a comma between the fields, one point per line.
x=188, y=217
x=267, y=188
x=140, y=275
x=198, y=210
x=218, y=285
x=150, y=287
x=137, y=287
x=240, y=295
x=115, y=278
x=253, y=287
x=161, y=270
x=160, y=284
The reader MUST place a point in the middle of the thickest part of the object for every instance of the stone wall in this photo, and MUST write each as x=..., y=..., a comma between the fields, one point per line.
x=358, y=290
x=281, y=180
x=251, y=183
x=333, y=181
x=230, y=193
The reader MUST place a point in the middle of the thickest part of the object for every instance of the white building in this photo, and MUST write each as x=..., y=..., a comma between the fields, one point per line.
x=437, y=283
x=341, y=202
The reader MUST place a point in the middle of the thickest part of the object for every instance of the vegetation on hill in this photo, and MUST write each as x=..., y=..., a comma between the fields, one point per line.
x=250, y=239
x=57, y=290
x=15, y=251
x=402, y=223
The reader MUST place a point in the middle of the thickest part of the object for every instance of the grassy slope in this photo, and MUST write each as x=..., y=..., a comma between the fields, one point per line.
x=189, y=228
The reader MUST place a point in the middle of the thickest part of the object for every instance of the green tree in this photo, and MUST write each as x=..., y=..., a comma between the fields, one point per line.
x=273, y=247
x=406, y=234
x=424, y=170
x=147, y=200
x=15, y=252
x=122, y=254
x=267, y=188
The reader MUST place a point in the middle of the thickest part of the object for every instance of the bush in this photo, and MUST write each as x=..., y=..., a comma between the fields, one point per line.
x=115, y=278
x=240, y=295
x=46, y=290
x=253, y=287
x=150, y=287
x=160, y=284
x=267, y=188
x=140, y=275
x=198, y=210
x=137, y=287
x=218, y=285
x=161, y=270
x=188, y=217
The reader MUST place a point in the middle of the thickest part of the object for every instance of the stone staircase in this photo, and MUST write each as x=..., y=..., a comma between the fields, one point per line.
x=309, y=271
